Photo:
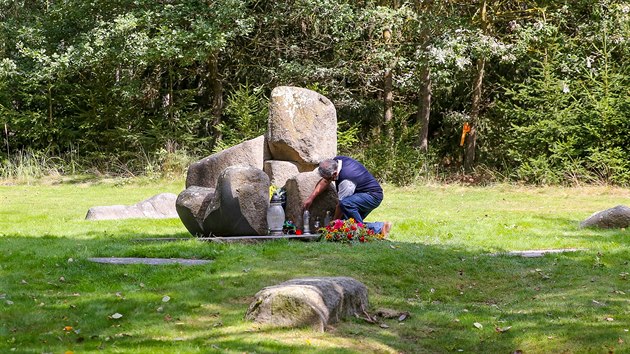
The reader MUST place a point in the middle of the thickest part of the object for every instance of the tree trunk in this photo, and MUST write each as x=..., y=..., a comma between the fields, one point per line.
x=388, y=102
x=424, y=109
x=50, y=106
x=216, y=86
x=475, y=109
x=471, y=143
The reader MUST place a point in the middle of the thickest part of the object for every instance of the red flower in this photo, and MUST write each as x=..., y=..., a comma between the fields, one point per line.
x=349, y=236
x=298, y=232
x=338, y=224
x=361, y=239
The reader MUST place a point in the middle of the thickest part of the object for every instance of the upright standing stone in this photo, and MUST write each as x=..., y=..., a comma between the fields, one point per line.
x=298, y=189
x=205, y=172
x=239, y=206
x=302, y=126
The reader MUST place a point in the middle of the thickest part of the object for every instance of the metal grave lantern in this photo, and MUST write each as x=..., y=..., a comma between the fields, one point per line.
x=275, y=215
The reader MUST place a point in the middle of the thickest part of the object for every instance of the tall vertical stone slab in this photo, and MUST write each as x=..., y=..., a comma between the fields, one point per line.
x=298, y=189
x=240, y=202
x=302, y=126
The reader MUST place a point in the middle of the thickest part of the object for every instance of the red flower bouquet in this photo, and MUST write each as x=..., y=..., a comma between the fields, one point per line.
x=348, y=231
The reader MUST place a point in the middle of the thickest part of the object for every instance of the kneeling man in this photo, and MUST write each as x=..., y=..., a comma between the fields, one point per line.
x=358, y=191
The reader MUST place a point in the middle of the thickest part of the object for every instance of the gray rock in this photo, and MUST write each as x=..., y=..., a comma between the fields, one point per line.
x=160, y=206
x=299, y=188
x=191, y=207
x=280, y=171
x=309, y=302
x=205, y=172
x=302, y=126
x=617, y=217
x=239, y=206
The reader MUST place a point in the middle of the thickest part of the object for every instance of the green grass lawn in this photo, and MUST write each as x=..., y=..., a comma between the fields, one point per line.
x=438, y=266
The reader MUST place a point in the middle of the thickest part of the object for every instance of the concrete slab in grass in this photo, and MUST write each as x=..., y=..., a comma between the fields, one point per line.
x=538, y=253
x=150, y=261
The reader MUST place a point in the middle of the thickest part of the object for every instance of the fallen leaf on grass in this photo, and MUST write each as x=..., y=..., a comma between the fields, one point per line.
x=620, y=341
x=502, y=329
x=116, y=316
x=67, y=328
x=609, y=319
x=383, y=325
x=166, y=298
x=478, y=325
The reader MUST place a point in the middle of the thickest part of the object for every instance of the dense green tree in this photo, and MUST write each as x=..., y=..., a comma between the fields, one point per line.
x=543, y=84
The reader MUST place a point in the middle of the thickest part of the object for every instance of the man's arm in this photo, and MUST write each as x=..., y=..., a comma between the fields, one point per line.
x=321, y=186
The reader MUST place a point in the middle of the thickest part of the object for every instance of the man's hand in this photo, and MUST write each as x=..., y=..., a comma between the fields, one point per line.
x=321, y=186
x=307, y=203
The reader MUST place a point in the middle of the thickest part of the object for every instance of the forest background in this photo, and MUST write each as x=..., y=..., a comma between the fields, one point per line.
x=145, y=86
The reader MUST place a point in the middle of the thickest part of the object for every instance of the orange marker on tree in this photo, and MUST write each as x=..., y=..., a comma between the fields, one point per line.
x=465, y=130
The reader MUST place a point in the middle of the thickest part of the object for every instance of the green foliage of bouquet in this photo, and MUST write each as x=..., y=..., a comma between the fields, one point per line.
x=348, y=231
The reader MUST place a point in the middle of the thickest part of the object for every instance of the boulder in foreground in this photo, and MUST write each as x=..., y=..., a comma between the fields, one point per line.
x=309, y=302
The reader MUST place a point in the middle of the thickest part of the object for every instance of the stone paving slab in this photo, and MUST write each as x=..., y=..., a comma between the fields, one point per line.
x=150, y=261
x=539, y=253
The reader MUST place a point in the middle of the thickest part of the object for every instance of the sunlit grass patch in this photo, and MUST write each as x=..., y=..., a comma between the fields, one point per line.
x=444, y=265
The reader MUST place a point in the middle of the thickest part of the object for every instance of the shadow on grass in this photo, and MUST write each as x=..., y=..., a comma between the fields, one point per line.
x=551, y=304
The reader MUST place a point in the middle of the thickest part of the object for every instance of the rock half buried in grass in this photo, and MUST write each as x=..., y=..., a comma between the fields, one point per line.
x=309, y=302
x=159, y=206
x=613, y=218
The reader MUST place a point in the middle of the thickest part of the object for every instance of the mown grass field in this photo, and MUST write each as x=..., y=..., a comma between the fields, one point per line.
x=439, y=265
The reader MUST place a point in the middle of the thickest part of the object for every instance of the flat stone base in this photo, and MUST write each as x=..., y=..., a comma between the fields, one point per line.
x=308, y=237
x=150, y=261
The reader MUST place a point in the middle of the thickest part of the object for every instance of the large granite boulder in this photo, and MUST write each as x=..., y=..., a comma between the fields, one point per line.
x=309, y=302
x=239, y=206
x=617, y=217
x=299, y=188
x=159, y=206
x=205, y=172
x=191, y=206
x=302, y=126
x=280, y=171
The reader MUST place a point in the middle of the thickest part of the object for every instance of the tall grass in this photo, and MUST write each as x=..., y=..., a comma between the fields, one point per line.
x=29, y=166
